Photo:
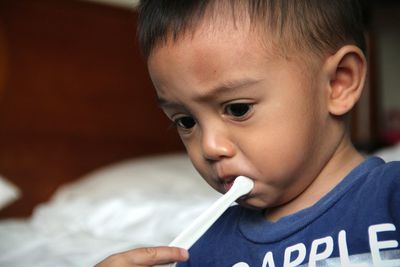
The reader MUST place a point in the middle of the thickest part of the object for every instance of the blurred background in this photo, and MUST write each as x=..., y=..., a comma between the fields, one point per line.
x=385, y=30
x=75, y=94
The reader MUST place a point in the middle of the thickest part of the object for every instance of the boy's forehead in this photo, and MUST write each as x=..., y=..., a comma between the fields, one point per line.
x=221, y=20
x=198, y=53
x=216, y=32
x=202, y=47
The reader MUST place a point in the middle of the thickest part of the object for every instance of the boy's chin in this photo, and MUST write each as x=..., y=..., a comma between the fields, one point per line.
x=248, y=204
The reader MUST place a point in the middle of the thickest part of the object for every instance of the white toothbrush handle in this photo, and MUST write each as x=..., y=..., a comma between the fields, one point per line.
x=196, y=229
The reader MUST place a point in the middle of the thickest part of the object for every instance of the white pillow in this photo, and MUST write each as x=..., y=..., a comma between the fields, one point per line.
x=8, y=192
x=389, y=153
x=147, y=201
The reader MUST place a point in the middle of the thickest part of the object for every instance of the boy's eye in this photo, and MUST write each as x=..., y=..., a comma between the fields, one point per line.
x=238, y=109
x=185, y=122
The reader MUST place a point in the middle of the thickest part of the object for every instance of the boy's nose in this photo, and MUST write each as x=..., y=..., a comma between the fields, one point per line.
x=217, y=145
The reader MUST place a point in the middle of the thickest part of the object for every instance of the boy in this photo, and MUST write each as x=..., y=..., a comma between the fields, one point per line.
x=263, y=89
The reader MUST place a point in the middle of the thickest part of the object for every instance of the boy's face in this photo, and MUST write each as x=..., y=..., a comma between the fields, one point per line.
x=240, y=110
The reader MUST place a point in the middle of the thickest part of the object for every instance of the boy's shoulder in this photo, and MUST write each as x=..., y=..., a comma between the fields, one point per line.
x=381, y=176
x=391, y=170
x=373, y=184
x=376, y=165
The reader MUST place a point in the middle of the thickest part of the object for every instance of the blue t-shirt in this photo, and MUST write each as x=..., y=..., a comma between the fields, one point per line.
x=358, y=222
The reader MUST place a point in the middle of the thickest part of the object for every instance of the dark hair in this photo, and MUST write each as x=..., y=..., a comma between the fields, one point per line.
x=319, y=26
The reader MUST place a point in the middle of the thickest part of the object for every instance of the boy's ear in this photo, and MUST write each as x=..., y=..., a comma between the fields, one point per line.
x=346, y=71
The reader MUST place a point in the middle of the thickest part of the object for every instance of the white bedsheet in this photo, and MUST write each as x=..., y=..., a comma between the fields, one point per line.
x=131, y=204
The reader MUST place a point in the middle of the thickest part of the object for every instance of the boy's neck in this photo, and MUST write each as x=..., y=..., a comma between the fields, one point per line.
x=345, y=159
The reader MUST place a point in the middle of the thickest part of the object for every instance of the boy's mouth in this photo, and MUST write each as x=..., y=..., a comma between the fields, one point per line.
x=227, y=182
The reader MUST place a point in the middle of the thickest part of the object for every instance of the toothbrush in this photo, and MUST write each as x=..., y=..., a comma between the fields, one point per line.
x=241, y=186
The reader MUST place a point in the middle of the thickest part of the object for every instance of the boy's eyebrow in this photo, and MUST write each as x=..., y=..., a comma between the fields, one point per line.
x=224, y=88
x=162, y=102
x=210, y=94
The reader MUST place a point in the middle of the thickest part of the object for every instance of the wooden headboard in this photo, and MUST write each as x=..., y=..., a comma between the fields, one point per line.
x=75, y=95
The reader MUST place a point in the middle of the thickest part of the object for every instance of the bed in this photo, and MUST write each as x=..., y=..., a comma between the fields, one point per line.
x=88, y=163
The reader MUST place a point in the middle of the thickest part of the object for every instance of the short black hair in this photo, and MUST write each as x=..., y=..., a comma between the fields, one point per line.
x=319, y=26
